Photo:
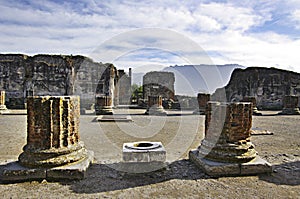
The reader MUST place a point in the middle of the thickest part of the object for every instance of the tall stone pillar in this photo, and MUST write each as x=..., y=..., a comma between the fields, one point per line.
x=2, y=101
x=103, y=105
x=290, y=105
x=53, y=149
x=155, y=106
x=226, y=148
x=202, y=99
x=252, y=99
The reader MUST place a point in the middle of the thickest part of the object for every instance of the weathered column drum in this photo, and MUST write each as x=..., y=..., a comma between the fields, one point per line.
x=227, y=133
x=290, y=105
x=2, y=100
x=226, y=148
x=52, y=132
x=155, y=106
x=103, y=105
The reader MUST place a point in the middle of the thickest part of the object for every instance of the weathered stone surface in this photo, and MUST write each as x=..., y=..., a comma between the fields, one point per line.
x=267, y=85
x=226, y=146
x=155, y=106
x=159, y=84
x=290, y=105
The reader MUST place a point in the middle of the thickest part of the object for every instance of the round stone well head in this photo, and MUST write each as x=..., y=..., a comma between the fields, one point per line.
x=144, y=151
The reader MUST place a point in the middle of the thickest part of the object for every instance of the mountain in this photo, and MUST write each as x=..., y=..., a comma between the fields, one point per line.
x=192, y=79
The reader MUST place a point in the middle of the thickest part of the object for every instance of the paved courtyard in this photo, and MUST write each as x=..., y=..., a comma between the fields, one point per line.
x=179, y=133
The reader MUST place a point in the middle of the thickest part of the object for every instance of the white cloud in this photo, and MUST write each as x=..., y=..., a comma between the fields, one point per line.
x=295, y=16
x=226, y=28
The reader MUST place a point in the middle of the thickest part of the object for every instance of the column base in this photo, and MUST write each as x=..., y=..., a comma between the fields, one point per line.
x=14, y=171
x=3, y=107
x=156, y=111
x=290, y=111
x=105, y=110
x=219, y=169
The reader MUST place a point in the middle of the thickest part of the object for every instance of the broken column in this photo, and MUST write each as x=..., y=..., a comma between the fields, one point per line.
x=252, y=99
x=155, y=106
x=226, y=148
x=202, y=99
x=2, y=101
x=53, y=150
x=103, y=105
x=290, y=105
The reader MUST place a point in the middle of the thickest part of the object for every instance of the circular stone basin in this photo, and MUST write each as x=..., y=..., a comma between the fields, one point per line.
x=143, y=145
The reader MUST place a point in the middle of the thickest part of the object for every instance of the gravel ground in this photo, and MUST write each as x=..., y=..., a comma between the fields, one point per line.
x=180, y=179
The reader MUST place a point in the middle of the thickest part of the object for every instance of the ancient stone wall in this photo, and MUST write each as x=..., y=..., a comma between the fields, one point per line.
x=267, y=85
x=159, y=84
x=22, y=76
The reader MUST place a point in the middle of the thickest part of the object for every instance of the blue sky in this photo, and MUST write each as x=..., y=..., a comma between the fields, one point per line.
x=142, y=34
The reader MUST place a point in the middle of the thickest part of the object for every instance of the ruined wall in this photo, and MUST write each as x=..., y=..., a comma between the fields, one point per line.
x=124, y=86
x=22, y=76
x=268, y=85
x=159, y=83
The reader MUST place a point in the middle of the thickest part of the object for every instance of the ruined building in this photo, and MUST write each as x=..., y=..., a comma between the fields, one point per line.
x=267, y=85
x=22, y=76
x=159, y=84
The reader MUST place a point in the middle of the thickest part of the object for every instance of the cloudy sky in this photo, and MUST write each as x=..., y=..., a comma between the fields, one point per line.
x=146, y=33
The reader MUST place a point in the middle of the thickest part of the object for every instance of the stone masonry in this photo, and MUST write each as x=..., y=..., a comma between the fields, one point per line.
x=159, y=83
x=155, y=106
x=290, y=105
x=226, y=148
x=53, y=149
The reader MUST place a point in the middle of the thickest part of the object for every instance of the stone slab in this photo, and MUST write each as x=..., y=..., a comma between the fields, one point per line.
x=14, y=172
x=114, y=118
x=218, y=169
x=13, y=112
x=256, y=166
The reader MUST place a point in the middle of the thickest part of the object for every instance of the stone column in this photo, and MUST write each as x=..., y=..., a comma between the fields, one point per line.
x=252, y=99
x=290, y=105
x=202, y=99
x=155, y=106
x=53, y=149
x=226, y=148
x=2, y=101
x=103, y=105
